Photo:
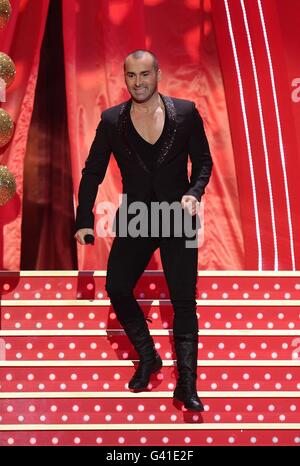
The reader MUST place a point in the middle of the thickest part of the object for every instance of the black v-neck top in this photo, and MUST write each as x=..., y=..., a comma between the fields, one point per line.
x=149, y=153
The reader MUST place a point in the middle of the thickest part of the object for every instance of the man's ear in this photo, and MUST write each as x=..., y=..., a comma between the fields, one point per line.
x=159, y=73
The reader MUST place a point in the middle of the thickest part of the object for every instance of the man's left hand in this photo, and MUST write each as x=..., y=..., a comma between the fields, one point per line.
x=190, y=203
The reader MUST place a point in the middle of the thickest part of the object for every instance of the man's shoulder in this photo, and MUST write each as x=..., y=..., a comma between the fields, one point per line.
x=111, y=113
x=182, y=104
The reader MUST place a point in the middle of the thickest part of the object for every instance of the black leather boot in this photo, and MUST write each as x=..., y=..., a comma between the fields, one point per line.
x=150, y=361
x=186, y=346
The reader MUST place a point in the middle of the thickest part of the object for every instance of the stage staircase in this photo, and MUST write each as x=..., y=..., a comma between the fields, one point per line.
x=65, y=362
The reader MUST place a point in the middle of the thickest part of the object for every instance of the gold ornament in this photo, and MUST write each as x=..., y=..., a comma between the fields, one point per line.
x=7, y=69
x=5, y=12
x=7, y=185
x=6, y=127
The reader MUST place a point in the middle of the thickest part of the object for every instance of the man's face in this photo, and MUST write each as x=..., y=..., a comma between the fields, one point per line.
x=141, y=78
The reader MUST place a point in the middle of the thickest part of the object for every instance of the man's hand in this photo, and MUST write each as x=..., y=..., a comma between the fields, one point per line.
x=80, y=234
x=190, y=203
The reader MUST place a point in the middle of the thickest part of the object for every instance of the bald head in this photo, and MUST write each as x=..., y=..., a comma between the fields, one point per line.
x=140, y=54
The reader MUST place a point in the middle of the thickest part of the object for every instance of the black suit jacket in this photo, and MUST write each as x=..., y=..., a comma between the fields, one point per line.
x=169, y=181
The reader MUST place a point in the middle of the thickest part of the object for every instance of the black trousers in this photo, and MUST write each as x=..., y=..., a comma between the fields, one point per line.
x=127, y=261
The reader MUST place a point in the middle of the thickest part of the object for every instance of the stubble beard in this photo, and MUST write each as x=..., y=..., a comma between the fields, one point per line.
x=142, y=101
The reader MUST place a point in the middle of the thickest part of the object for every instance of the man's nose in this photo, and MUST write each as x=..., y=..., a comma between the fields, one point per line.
x=137, y=81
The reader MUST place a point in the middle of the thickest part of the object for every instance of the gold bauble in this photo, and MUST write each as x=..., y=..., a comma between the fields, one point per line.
x=7, y=185
x=6, y=127
x=7, y=69
x=5, y=12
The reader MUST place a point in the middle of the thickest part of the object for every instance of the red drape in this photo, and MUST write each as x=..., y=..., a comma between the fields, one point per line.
x=98, y=35
x=47, y=214
x=237, y=59
x=259, y=42
x=21, y=40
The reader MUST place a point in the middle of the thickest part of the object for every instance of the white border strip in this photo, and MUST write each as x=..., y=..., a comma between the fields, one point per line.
x=162, y=394
x=147, y=302
x=102, y=273
x=145, y=427
x=166, y=363
x=120, y=332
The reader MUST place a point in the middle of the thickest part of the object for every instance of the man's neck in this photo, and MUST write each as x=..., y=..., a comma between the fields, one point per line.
x=148, y=107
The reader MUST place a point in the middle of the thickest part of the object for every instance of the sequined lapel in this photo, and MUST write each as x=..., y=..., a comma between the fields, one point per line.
x=168, y=139
x=170, y=134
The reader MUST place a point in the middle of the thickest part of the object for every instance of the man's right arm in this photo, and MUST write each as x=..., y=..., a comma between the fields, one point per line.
x=92, y=175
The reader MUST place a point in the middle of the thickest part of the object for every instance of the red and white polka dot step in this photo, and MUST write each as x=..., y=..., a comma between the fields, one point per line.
x=65, y=362
x=115, y=378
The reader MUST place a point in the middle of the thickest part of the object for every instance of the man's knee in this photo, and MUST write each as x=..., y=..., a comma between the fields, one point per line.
x=118, y=290
x=184, y=305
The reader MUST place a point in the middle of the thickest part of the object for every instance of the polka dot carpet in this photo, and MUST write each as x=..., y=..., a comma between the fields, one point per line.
x=65, y=362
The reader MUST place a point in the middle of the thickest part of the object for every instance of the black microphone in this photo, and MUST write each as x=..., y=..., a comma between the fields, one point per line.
x=89, y=239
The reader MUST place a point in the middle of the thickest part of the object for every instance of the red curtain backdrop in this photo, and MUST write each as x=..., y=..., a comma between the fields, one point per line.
x=47, y=214
x=259, y=43
x=237, y=59
x=21, y=40
x=97, y=36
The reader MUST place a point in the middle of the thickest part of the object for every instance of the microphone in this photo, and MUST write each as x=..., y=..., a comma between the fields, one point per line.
x=89, y=239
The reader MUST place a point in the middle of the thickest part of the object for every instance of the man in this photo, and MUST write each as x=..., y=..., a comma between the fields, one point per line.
x=151, y=136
